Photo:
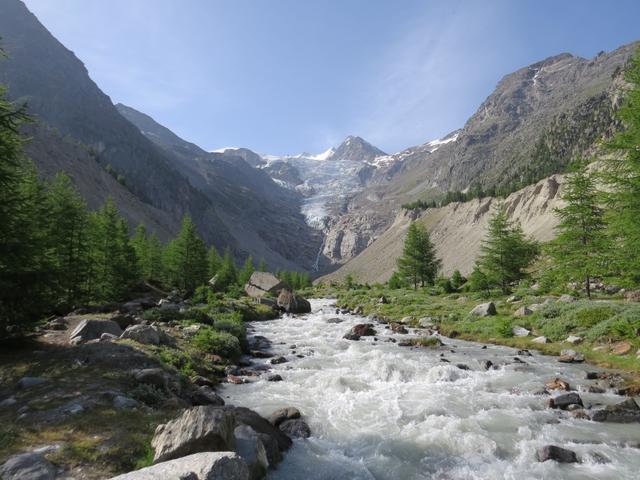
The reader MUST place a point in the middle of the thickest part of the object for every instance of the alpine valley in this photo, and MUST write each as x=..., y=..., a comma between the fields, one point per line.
x=466, y=308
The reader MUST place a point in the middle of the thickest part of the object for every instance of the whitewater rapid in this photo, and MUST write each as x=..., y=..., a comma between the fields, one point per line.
x=381, y=411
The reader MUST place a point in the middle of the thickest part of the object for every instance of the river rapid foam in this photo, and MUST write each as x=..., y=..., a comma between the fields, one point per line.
x=381, y=411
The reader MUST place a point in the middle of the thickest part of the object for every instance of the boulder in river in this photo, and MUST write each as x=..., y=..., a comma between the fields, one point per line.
x=625, y=412
x=570, y=356
x=484, y=310
x=360, y=330
x=398, y=328
x=293, y=303
x=198, y=429
x=296, y=428
x=558, y=384
x=251, y=447
x=564, y=401
x=553, y=452
x=263, y=283
x=198, y=466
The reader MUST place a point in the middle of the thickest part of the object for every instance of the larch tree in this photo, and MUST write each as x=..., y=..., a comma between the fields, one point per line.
x=505, y=253
x=580, y=249
x=418, y=263
x=622, y=177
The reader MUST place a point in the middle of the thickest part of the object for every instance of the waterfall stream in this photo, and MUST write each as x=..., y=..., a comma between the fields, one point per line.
x=381, y=411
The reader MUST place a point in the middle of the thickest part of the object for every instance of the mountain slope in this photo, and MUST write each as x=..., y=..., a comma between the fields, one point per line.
x=535, y=122
x=162, y=177
x=263, y=217
x=60, y=94
x=457, y=231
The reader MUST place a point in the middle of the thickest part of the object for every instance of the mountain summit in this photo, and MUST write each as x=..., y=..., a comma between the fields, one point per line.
x=356, y=149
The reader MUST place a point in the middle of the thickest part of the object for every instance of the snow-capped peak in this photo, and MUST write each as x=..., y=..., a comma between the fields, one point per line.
x=324, y=155
x=225, y=149
x=435, y=144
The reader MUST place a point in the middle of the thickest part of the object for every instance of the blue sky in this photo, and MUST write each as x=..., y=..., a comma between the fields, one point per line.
x=285, y=76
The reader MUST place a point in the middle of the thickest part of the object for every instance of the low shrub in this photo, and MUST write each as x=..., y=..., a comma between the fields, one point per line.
x=624, y=325
x=209, y=340
x=162, y=315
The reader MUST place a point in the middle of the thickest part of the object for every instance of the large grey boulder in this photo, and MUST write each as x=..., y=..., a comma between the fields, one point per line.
x=92, y=329
x=28, y=466
x=244, y=416
x=293, y=303
x=252, y=449
x=199, y=466
x=263, y=283
x=198, y=429
x=145, y=334
x=484, y=310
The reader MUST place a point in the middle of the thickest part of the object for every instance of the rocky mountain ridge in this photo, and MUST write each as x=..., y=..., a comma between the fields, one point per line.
x=158, y=177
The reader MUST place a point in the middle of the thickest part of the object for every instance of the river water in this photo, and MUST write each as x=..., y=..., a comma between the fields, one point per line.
x=381, y=411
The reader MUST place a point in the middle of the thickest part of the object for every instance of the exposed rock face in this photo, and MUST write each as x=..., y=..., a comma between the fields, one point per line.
x=293, y=303
x=263, y=283
x=199, y=466
x=27, y=466
x=198, y=429
x=92, y=329
x=461, y=224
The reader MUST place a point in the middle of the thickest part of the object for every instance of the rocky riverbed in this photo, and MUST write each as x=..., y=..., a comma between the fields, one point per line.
x=380, y=408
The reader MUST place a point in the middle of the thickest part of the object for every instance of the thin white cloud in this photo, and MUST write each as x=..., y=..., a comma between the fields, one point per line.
x=426, y=82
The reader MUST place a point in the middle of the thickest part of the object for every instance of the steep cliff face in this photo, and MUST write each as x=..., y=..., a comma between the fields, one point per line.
x=457, y=231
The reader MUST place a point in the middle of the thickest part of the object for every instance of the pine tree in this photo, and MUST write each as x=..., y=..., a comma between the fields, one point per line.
x=214, y=261
x=66, y=231
x=622, y=177
x=506, y=252
x=113, y=259
x=246, y=272
x=227, y=274
x=262, y=266
x=156, y=270
x=186, y=258
x=141, y=245
x=580, y=248
x=418, y=263
x=457, y=280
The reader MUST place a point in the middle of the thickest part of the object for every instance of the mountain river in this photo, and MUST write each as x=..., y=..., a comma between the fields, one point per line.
x=381, y=411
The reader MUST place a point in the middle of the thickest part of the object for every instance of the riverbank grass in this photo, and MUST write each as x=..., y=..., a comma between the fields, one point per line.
x=601, y=323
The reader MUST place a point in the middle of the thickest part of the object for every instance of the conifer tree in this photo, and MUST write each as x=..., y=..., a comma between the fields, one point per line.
x=580, y=248
x=156, y=270
x=113, y=259
x=246, y=272
x=186, y=258
x=141, y=245
x=214, y=261
x=622, y=177
x=506, y=252
x=418, y=263
x=227, y=274
x=66, y=231
x=457, y=280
